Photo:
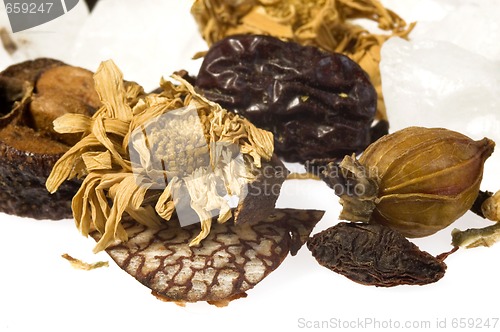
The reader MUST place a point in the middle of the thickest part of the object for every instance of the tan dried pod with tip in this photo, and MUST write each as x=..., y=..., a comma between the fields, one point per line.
x=416, y=181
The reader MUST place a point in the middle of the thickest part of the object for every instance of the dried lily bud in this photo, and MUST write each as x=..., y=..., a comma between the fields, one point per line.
x=373, y=254
x=416, y=181
x=230, y=261
x=144, y=155
x=326, y=24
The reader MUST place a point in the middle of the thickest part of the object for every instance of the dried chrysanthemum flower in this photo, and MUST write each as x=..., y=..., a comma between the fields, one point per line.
x=149, y=156
x=327, y=24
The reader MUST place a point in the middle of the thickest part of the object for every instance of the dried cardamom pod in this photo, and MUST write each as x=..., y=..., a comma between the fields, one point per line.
x=416, y=181
x=149, y=156
x=373, y=254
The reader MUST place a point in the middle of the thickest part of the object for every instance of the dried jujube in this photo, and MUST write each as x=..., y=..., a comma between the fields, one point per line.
x=317, y=104
x=373, y=254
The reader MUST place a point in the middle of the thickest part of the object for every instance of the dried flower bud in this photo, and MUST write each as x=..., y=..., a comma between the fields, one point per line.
x=416, y=181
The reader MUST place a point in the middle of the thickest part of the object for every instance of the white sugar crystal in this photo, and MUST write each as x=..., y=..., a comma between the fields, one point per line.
x=438, y=84
x=53, y=39
x=147, y=39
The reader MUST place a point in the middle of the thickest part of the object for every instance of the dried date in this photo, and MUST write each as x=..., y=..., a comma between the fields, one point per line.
x=373, y=254
x=317, y=104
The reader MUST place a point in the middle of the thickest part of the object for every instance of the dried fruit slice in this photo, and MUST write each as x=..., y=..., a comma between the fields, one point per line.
x=232, y=259
x=29, y=147
x=373, y=254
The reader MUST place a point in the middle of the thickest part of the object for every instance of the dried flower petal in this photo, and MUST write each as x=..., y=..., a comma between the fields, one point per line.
x=80, y=265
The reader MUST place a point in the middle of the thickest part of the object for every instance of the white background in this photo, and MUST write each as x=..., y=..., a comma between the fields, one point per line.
x=41, y=291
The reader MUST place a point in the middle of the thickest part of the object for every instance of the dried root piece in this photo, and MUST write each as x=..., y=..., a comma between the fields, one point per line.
x=372, y=254
x=32, y=95
x=150, y=155
x=327, y=24
x=232, y=259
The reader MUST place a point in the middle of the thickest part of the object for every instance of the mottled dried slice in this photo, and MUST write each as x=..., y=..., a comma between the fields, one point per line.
x=232, y=259
x=373, y=254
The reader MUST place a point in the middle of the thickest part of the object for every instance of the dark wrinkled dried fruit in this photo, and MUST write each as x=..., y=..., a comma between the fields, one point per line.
x=373, y=254
x=232, y=259
x=317, y=104
x=29, y=147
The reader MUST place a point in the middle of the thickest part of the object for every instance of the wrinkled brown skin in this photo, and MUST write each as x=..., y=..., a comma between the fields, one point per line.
x=28, y=147
x=373, y=254
x=317, y=104
x=232, y=259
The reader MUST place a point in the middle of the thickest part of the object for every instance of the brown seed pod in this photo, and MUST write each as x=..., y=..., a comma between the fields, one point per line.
x=416, y=181
x=232, y=259
x=373, y=254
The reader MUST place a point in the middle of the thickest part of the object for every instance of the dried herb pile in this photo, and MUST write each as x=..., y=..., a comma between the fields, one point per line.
x=113, y=185
x=328, y=24
x=411, y=183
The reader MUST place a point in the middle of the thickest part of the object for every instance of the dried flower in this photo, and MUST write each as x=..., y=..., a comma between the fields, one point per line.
x=416, y=181
x=133, y=161
x=327, y=24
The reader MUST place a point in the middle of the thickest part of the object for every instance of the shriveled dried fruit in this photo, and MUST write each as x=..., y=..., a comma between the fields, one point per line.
x=416, y=181
x=327, y=24
x=149, y=156
x=29, y=147
x=231, y=260
x=317, y=104
x=373, y=254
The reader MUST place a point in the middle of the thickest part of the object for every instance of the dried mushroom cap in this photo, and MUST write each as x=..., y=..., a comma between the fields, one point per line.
x=142, y=155
x=232, y=259
x=327, y=24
